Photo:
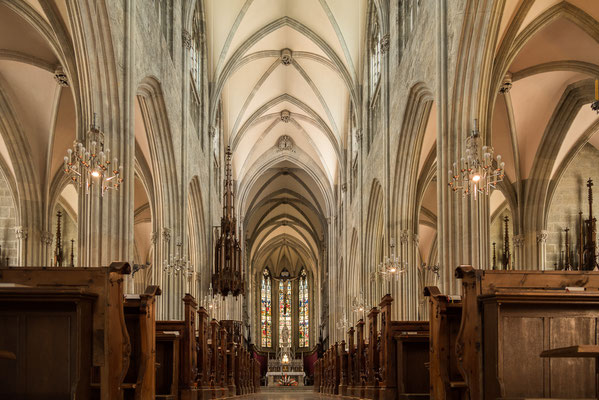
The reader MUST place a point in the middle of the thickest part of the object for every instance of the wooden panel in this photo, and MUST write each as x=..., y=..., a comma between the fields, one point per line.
x=415, y=356
x=9, y=341
x=522, y=368
x=571, y=377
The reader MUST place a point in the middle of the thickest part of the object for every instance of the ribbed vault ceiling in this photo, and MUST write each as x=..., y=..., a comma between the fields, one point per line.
x=285, y=69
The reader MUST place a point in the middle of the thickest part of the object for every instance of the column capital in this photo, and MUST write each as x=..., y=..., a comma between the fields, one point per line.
x=21, y=233
x=166, y=234
x=47, y=238
x=385, y=42
x=518, y=241
x=542, y=236
x=186, y=37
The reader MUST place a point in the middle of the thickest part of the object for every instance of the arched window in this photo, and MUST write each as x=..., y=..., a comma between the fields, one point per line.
x=304, y=310
x=284, y=310
x=375, y=52
x=196, y=47
x=266, y=308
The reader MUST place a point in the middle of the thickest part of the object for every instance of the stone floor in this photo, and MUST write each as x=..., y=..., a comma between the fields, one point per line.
x=287, y=394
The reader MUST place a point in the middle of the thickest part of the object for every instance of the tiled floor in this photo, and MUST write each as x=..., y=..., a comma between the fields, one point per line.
x=289, y=394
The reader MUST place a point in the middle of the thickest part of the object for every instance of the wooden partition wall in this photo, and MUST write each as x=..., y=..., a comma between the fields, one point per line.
x=49, y=313
x=510, y=317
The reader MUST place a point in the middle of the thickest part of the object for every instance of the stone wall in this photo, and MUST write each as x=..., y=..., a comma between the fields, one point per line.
x=569, y=199
x=8, y=221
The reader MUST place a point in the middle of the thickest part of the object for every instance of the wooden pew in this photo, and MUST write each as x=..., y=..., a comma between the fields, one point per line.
x=317, y=374
x=167, y=365
x=204, y=357
x=140, y=318
x=109, y=339
x=404, y=349
x=446, y=382
x=510, y=317
x=184, y=371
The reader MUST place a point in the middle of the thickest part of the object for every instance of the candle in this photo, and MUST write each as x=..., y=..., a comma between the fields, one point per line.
x=596, y=89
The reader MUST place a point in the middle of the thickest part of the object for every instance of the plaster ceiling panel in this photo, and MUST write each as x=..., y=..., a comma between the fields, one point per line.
x=426, y=236
x=312, y=15
x=33, y=94
x=35, y=4
x=540, y=6
x=143, y=235
x=246, y=142
x=501, y=137
x=429, y=201
x=331, y=87
x=284, y=79
x=17, y=35
x=352, y=22
x=321, y=148
x=496, y=200
x=64, y=130
x=583, y=121
x=70, y=197
x=506, y=19
x=534, y=100
x=560, y=40
x=287, y=38
x=141, y=137
x=64, y=14
x=220, y=17
x=6, y=157
x=430, y=137
x=594, y=141
x=239, y=87
x=140, y=197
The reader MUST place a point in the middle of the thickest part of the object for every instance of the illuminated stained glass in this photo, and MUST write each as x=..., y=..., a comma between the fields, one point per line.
x=284, y=310
x=304, y=310
x=266, y=309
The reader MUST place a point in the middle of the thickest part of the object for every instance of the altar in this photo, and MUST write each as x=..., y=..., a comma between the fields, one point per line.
x=278, y=370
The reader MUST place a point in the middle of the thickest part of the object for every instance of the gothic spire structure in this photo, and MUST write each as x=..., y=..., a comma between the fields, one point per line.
x=227, y=277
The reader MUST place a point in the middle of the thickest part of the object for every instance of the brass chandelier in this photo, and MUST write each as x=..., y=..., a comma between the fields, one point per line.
x=476, y=173
x=91, y=165
x=227, y=277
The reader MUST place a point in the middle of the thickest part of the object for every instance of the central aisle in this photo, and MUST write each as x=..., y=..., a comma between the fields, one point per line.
x=287, y=394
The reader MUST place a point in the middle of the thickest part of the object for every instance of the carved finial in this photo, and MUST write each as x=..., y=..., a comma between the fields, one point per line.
x=186, y=37
x=567, y=265
x=506, y=245
x=58, y=252
x=385, y=41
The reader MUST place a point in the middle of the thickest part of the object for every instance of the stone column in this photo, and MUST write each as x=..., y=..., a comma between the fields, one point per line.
x=47, y=239
x=22, y=234
x=518, y=252
x=542, y=249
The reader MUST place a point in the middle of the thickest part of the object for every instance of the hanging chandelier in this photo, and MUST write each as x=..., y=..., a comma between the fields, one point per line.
x=391, y=267
x=343, y=323
x=227, y=277
x=359, y=304
x=210, y=302
x=178, y=264
x=89, y=164
x=476, y=172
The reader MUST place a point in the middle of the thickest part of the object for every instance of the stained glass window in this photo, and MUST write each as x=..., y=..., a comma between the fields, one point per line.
x=196, y=43
x=284, y=310
x=375, y=52
x=304, y=310
x=266, y=309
